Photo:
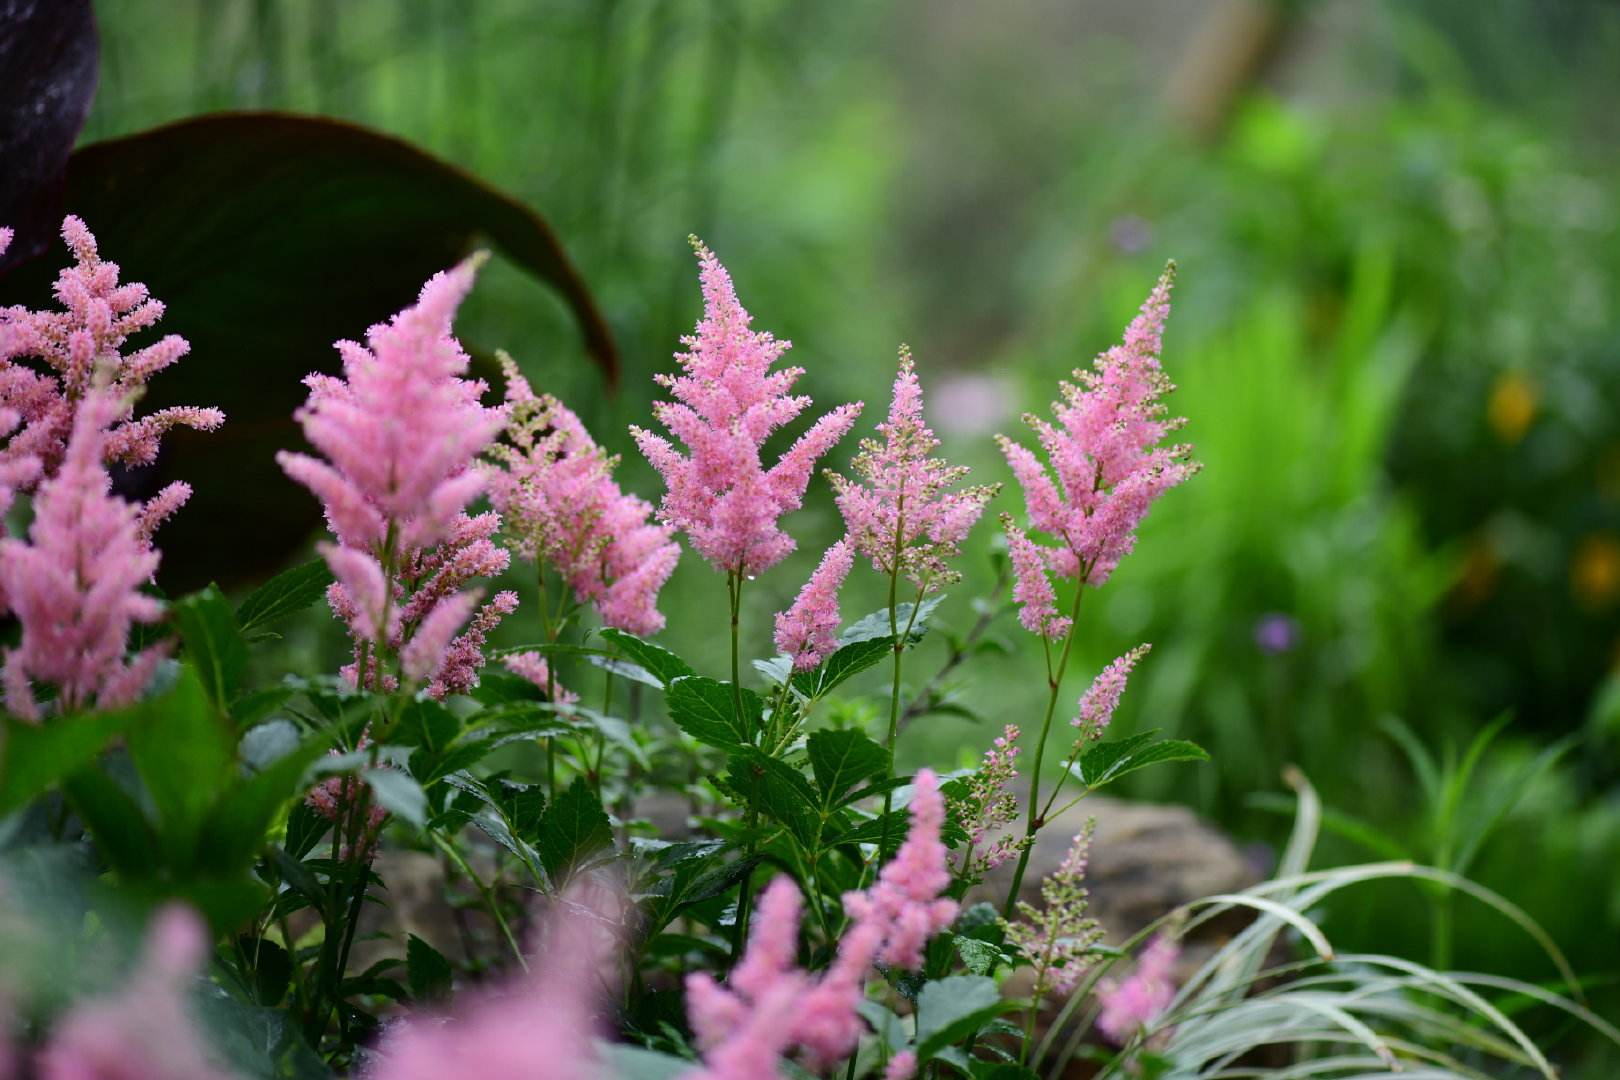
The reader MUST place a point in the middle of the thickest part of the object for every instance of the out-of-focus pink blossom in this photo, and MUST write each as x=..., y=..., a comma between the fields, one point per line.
x=400, y=434
x=727, y=402
x=75, y=584
x=808, y=631
x=533, y=666
x=1105, y=450
x=562, y=507
x=1142, y=997
x=904, y=517
x=141, y=1032
x=1101, y=698
x=771, y=1006
x=539, y=1027
x=903, y=1066
x=82, y=346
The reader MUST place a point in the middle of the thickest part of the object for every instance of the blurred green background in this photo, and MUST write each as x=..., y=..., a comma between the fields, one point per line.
x=1394, y=333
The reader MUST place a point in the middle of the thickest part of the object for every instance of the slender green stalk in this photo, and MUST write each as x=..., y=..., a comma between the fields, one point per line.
x=745, y=896
x=1054, y=681
x=488, y=894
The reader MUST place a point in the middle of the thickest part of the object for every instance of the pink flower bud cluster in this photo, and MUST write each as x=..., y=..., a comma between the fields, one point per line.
x=727, y=403
x=556, y=490
x=82, y=346
x=533, y=667
x=771, y=1006
x=988, y=805
x=337, y=798
x=808, y=631
x=1142, y=997
x=75, y=584
x=1101, y=698
x=1106, y=451
x=142, y=1031
x=905, y=518
x=400, y=434
x=1058, y=937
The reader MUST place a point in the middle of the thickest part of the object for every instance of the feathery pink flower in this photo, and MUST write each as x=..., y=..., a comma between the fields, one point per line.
x=1032, y=589
x=400, y=434
x=142, y=1031
x=1101, y=698
x=540, y=1026
x=1105, y=451
x=533, y=667
x=903, y=1066
x=987, y=804
x=905, y=518
x=1057, y=938
x=75, y=584
x=83, y=346
x=771, y=1006
x=1143, y=996
x=554, y=485
x=808, y=631
x=727, y=402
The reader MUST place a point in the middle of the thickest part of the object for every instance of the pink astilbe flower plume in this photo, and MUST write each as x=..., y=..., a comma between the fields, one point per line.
x=401, y=433
x=1142, y=997
x=555, y=488
x=772, y=1007
x=727, y=402
x=141, y=1032
x=80, y=347
x=1106, y=452
x=808, y=631
x=904, y=517
x=533, y=667
x=541, y=1026
x=1101, y=698
x=986, y=805
x=75, y=584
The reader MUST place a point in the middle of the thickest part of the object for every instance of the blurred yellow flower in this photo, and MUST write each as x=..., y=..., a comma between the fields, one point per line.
x=1512, y=407
x=1594, y=572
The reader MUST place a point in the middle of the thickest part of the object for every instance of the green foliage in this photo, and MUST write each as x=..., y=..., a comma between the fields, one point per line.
x=704, y=708
x=1105, y=762
x=284, y=595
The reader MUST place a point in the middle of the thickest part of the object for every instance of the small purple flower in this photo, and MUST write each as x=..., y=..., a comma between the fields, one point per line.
x=1276, y=633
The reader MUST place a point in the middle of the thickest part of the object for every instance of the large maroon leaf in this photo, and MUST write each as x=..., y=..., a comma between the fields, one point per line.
x=49, y=59
x=269, y=236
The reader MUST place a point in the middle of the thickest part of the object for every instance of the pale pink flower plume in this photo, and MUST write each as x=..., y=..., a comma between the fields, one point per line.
x=533, y=667
x=1101, y=698
x=337, y=798
x=988, y=805
x=540, y=1026
x=1032, y=589
x=907, y=897
x=1143, y=996
x=563, y=509
x=81, y=346
x=727, y=402
x=905, y=518
x=75, y=584
x=1057, y=938
x=141, y=1032
x=1105, y=450
x=400, y=434
x=808, y=631
x=771, y=1006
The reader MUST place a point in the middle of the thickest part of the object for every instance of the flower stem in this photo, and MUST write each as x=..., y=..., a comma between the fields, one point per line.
x=1055, y=683
x=745, y=896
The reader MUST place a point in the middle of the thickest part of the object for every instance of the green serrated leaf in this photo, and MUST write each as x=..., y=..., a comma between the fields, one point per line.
x=953, y=1008
x=780, y=791
x=398, y=792
x=705, y=709
x=213, y=643
x=288, y=593
x=573, y=828
x=850, y=660
x=426, y=970
x=1108, y=761
x=658, y=661
x=876, y=625
x=842, y=759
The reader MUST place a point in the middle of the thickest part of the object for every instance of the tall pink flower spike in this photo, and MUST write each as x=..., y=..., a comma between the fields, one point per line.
x=1105, y=451
x=1101, y=698
x=400, y=434
x=82, y=345
x=563, y=509
x=75, y=584
x=541, y=1026
x=905, y=518
x=141, y=1032
x=771, y=1006
x=808, y=631
x=727, y=402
